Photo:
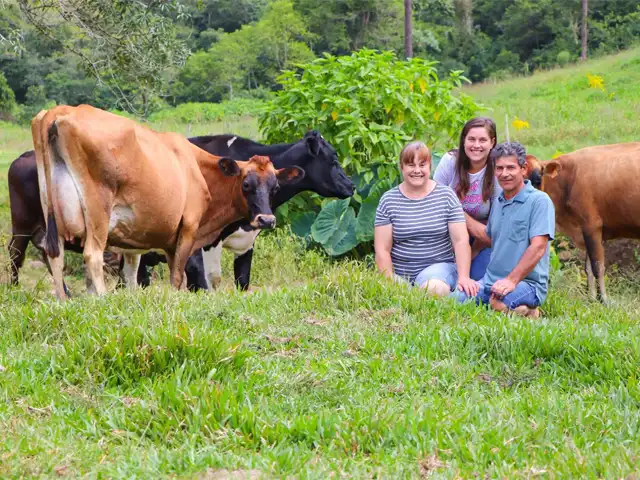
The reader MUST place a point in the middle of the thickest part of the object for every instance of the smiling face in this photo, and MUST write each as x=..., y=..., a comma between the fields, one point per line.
x=477, y=144
x=510, y=174
x=415, y=164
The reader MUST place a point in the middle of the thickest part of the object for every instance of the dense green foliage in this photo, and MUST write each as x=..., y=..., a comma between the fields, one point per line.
x=239, y=47
x=367, y=105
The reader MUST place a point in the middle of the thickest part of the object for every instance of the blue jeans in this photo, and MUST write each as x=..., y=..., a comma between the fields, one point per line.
x=480, y=263
x=524, y=294
x=445, y=272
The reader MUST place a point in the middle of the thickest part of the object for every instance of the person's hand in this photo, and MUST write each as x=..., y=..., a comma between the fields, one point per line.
x=468, y=286
x=503, y=287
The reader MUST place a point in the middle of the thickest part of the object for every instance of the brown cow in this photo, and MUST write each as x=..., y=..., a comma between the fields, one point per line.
x=596, y=194
x=106, y=180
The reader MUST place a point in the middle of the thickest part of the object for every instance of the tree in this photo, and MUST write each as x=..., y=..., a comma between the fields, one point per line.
x=7, y=98
x=585, y=13
x=127, y=46
x=408, y=41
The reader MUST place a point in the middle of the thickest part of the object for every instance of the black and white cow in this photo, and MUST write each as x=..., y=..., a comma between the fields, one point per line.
x=323, y=175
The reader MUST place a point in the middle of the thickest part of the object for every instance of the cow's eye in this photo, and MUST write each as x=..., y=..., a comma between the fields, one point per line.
x=246, y=186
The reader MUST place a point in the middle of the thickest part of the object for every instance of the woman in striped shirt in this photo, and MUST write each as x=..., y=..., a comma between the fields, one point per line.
x=419, y=226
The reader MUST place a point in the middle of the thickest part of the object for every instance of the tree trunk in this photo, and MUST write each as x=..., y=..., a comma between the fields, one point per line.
x=585, y=11
x=408, y=41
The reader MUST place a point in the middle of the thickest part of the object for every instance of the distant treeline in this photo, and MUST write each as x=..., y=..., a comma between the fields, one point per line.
x=239, y=47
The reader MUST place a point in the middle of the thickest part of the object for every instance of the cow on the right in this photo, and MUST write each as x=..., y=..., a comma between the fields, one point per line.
x=596, y=194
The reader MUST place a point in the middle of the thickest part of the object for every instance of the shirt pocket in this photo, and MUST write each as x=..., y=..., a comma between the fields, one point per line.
x=518, y=231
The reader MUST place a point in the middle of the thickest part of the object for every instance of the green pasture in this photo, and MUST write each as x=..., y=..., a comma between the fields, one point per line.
x=325, y=369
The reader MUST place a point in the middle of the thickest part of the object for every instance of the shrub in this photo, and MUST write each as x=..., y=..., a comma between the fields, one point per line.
x=367, y=105
x=208, y=112
x=563, y=58
x=7, y=99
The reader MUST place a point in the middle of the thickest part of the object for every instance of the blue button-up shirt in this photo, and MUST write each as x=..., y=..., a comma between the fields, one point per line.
x=512, y=225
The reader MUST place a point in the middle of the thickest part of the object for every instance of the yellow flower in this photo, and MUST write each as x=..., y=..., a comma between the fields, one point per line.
x=595, y=81
x=519, y=124
x=334, y=115
x=436, y=116
x=411, y=87
x=556, y=155
x=422, y=83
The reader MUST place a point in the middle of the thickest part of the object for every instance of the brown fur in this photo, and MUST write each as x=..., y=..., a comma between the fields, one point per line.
x=596, y=195
x=168, y=193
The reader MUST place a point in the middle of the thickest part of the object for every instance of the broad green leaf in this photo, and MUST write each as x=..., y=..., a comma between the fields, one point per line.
x=328, y=220
x=301, y=223
x=344, y=238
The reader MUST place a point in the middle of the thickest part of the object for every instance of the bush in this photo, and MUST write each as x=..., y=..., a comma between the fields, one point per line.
x=367, y=105
x=208, y=112
x=7, y=99
x=563, y=58
x=35, y=101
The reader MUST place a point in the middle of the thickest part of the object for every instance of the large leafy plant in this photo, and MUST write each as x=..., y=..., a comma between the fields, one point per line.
x=367, y=105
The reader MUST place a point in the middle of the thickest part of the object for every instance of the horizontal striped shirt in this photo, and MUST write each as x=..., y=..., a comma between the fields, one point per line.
x=420, y=228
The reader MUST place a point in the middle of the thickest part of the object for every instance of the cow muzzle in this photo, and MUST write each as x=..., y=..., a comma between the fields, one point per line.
x=264, y=221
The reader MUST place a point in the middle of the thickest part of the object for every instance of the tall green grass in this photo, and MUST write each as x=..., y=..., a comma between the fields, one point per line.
x=563, y=112
x=325, y=369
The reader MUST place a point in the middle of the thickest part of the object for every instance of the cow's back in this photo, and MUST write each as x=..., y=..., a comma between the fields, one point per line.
x=144, y=176
x=597, y=185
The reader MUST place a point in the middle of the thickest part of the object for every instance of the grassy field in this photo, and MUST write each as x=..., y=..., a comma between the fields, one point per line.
x=326, y=370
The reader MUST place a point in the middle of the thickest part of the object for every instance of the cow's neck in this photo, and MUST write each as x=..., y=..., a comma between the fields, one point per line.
x=287, y=192
x=220, y=212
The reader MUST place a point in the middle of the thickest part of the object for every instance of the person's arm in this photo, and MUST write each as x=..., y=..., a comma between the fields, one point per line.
x=460, y=242
x=530, y=258
x=477, y=230
x=382, y=242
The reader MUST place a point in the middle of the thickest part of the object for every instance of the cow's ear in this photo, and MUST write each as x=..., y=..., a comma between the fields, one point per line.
x=229, y=167
x=313, y=144
x=289, y=176
x=551, y=169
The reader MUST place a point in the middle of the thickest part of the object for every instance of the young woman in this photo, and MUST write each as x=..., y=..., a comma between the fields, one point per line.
x=469, y=173
x=419, y=225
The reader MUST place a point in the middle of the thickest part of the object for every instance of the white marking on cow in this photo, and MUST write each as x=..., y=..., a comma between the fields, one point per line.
x=239, y=242
x=68, y=200
x=120, y=216
x=230, y=141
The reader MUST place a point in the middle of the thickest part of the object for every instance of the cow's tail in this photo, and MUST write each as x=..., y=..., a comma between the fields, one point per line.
x=52, y=239
x=44, y=182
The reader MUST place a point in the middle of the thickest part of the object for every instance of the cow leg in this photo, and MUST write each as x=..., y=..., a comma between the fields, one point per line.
x=595, y=252
x=212, y=264
x=130, y=269
x=94, y=259
x=196, y=278
x=182, y=251
x=56, y=266
x=144, y=278
x=242, y=269
x=17, y=251
x=591, y=280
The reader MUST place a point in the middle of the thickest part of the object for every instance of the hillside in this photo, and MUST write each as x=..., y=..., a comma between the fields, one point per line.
x=563, y=112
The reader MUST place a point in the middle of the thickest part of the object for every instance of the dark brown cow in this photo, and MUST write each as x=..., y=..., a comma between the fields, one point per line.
x=596, y=194
x=108, y=181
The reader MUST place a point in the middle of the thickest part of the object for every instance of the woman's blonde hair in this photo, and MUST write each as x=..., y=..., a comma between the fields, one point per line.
x=412, y=149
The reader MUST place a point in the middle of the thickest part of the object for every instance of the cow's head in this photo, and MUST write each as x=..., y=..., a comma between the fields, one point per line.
x=535, y=171
x=323, y=173
x=260, y=181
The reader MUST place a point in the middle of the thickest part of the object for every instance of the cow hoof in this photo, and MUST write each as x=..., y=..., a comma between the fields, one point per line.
x=215, y=282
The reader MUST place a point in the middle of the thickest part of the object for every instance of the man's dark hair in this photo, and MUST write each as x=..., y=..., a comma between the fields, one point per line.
x=509, y=149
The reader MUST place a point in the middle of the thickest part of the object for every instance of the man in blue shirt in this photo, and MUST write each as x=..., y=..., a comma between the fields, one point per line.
x=521, y=225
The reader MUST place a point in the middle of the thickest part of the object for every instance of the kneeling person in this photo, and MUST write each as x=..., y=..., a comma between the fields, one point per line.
x=521, y=224
x=419, y=227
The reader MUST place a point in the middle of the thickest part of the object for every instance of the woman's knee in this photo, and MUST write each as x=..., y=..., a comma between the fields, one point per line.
x=439, y=288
